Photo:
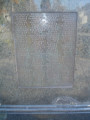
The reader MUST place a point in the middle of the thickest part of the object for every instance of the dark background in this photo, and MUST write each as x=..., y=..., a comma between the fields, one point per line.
x=49, y=117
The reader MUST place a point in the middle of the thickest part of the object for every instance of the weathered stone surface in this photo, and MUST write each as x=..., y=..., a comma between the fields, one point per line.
x=45, y=48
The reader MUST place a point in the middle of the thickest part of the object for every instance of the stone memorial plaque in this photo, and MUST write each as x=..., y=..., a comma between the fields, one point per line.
x=45, y=48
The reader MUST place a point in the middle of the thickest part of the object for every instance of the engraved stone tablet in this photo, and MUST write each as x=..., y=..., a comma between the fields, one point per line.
x=45, y=48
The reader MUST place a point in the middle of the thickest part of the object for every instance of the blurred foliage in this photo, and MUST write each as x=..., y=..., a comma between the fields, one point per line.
x=1, y=19
x=16, y=1
x=4, y=6
x=24, y=5
x=4, y=3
